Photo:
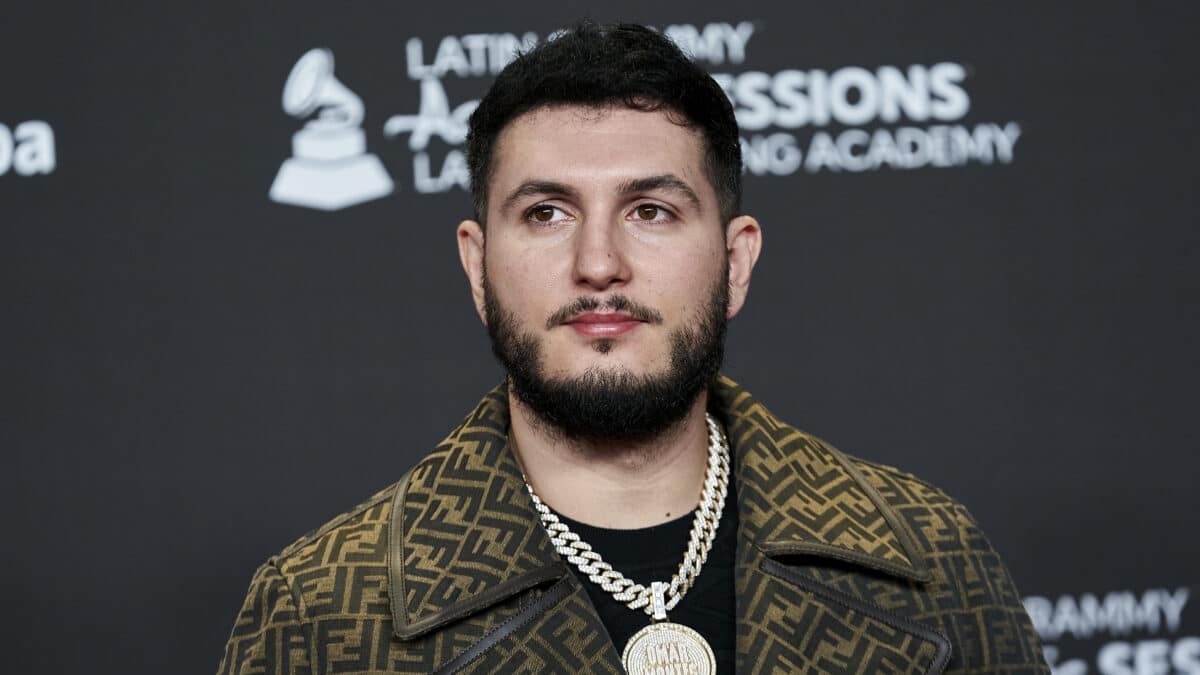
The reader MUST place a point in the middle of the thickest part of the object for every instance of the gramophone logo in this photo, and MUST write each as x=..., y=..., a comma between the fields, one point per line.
x=330, y=167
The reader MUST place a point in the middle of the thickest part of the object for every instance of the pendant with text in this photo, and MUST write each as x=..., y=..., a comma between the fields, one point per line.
x=668, y=648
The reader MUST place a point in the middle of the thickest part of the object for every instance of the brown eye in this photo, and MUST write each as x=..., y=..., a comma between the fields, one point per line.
x=648, y=212
x=543, y=214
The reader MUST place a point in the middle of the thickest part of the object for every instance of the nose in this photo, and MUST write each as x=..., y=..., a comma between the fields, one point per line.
x=600, y=259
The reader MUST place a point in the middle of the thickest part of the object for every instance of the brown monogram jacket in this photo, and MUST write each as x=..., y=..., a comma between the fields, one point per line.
x=844, y=566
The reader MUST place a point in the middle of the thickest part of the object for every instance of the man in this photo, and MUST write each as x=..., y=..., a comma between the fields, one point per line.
x=616, y=503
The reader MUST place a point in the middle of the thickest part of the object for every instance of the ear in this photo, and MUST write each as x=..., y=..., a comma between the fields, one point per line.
x=470, y=252
x=743, y=243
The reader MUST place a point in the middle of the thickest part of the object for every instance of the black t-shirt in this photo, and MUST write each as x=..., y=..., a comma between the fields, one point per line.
x=653, y=554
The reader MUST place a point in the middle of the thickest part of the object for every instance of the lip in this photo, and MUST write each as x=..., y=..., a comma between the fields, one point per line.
x=608, y=324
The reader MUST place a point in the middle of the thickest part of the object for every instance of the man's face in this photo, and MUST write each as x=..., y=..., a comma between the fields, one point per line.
x=604, y=280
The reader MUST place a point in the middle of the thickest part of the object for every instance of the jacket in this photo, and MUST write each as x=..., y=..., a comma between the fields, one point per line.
x=843, y=566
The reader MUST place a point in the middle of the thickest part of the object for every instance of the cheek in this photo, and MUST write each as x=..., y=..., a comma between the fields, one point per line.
x=531, y=276
x=683, y=276
x=521, y=292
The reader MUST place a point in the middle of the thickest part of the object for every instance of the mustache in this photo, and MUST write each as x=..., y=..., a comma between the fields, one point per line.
x=614, y=303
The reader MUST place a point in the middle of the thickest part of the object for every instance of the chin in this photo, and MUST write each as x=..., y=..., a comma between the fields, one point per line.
x=607, y=363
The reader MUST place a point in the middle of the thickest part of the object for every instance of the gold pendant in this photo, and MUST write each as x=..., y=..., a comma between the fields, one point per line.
x=668, y=648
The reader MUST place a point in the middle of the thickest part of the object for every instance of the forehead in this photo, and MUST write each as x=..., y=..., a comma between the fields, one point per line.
x=587, y=146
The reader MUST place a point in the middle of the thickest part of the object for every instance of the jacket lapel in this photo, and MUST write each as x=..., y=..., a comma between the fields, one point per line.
x=798, y=496
x=802, y=506
x=474, y=578
x=464, y=532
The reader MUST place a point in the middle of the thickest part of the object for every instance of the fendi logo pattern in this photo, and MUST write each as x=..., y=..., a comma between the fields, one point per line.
x=843, y=566
x=793, y=490
x=467, y=519
x=941, y=600
x=323, y=609
x=324, y=605
x=570, y=639
x=802, y=628
x=971, y=599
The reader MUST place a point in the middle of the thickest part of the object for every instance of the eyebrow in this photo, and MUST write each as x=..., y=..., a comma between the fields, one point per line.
x=537, y=187
x=667, y=182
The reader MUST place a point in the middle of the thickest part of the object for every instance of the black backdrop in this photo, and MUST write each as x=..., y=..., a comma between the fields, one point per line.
x=195, y=375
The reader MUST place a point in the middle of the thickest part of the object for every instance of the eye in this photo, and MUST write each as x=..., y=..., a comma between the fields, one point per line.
x=544, y=214
x=651, y=213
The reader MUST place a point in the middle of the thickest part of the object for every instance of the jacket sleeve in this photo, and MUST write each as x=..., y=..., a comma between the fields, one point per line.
x=1008, y=640
x=268, y=637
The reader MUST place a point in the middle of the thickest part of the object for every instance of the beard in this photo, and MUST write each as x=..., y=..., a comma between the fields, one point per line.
x=612, y=404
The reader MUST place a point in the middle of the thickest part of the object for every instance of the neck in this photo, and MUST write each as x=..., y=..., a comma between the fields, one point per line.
x=618, y=485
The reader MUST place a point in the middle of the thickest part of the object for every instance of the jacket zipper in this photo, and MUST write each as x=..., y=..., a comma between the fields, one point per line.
x=940, y=659
x=544, y=602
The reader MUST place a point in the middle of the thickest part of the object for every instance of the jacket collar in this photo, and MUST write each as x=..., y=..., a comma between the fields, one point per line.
x=464, y=534
x=797, y=495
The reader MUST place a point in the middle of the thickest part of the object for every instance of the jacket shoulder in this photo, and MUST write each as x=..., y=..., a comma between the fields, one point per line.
x=939, y=522
x=372, y=512
x=967, y=575
x=942, y=527
x=901, y=487
x=332, y=571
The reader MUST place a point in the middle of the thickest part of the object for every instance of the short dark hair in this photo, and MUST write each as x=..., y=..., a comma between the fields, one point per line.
x=611, y=64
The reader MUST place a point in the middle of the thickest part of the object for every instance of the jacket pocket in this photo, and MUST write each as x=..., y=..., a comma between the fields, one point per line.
x=539, y=606
x=838, y=633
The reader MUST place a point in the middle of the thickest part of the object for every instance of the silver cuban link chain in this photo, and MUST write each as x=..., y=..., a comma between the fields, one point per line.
x=660, y=597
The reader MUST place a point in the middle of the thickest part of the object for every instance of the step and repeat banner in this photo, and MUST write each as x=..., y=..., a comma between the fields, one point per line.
x=233, y=306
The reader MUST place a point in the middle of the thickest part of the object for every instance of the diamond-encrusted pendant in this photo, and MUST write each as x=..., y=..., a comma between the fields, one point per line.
x=667, y=647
